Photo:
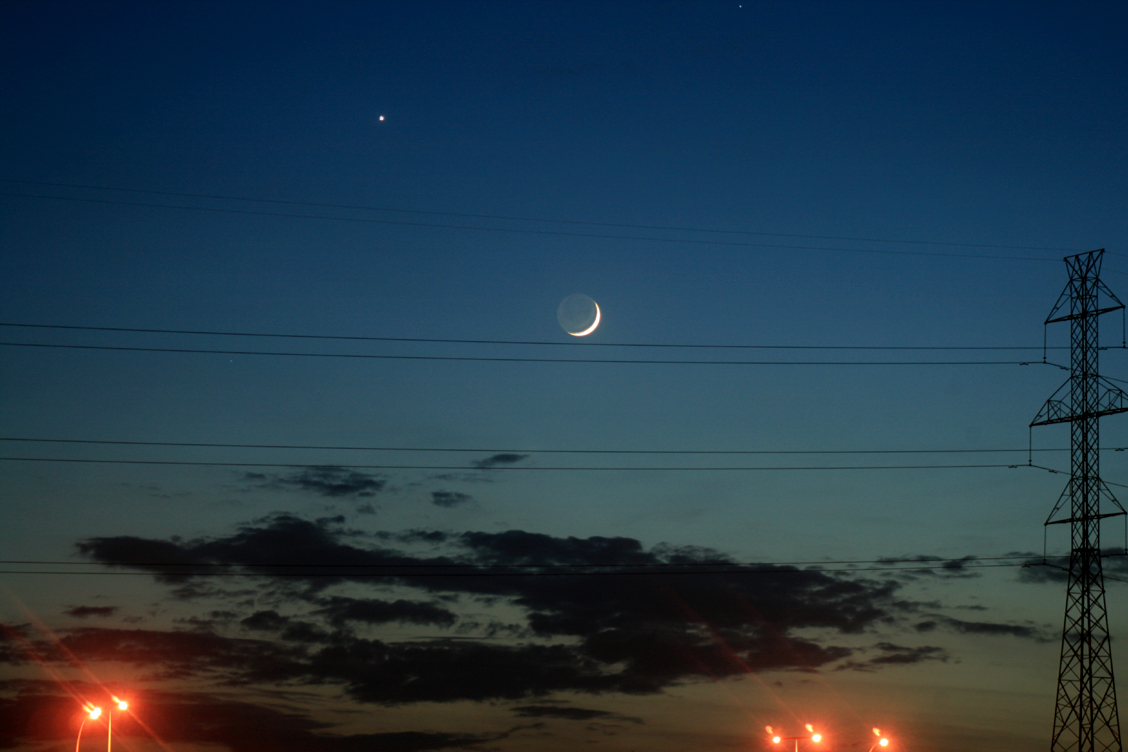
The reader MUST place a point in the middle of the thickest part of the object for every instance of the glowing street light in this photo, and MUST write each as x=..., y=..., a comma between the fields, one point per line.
x=92, y=714
x=882, y=741
x=811, y=734
x=122, y=705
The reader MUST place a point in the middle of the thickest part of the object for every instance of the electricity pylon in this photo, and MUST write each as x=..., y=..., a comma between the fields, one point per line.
x=1085, y=716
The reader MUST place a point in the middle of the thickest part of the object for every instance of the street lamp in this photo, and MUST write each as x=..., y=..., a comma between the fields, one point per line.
x=882, y=741
x=811, y=734
x=92, y=713
x=122, y=705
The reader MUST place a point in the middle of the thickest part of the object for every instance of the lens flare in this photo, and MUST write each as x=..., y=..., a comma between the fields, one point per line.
x=768, y=729
x=884, y=742
x=816, y=738
x=810, y=728
x=775, y=739
x=94, y=712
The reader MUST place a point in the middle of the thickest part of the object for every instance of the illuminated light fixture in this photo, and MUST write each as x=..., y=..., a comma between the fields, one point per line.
x=882, y=741
x=812, y=735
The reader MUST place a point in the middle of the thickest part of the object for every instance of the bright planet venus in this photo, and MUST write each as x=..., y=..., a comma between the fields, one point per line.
x=578, y=315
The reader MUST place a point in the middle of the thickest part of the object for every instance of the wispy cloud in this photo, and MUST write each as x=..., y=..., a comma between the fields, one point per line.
x=891, y=654
x=1025, y=631
x=330, y=481
x=499, y=460
x=944, y=568
x=82, y=612
x=450, y=499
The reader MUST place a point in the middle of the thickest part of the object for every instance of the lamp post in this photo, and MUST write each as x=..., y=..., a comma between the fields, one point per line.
x=811, y=734
x=122, y=705
x=92, y=713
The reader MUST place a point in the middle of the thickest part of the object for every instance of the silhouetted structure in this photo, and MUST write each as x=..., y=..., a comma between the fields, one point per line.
x=1085, y=716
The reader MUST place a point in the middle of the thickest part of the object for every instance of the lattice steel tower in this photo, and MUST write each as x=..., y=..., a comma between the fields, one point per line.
x=1085, y=717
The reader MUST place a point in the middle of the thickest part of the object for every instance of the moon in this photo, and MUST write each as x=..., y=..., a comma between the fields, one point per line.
x=578, y=315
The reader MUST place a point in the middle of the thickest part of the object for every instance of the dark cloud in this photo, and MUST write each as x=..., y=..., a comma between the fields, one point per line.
x=271, y=546
x=265, y=621
x=168, y=654
x=83, y=611
x=1025, y=631
x=520, y=547
x=415, y=536
x=470, y=476
x=498, y=460
x=292, y=630
x=900, y=655
x=372, y=611
x=213, y=621
x=945, y=568
x=897, y=655
x=329, y=480
x=659, y=617
x=449, y=498
x=571, y=714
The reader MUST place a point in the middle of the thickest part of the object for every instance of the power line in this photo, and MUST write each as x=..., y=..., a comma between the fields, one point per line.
x=520, y=219
x=464, y=468
x=931, y=563
x=572, y=343
x=494, y=573
x=370, y=356
x=479, y=450
x=526, y=231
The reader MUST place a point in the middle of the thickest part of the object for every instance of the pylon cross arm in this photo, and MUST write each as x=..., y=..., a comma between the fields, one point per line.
x=1110, y=400
x=1097, y=312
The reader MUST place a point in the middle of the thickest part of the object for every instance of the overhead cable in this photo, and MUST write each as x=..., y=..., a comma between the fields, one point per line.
x=529, y=231
x=509, y=218
x=476, y=358
x=502, y=572
x=479, y=450
x=491, y=467
x=569, y=343
x=812, y=564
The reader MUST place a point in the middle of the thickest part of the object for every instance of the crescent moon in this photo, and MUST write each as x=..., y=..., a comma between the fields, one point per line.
x=594, y=324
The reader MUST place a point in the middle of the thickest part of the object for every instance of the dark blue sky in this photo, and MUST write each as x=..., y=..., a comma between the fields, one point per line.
x=712, y=173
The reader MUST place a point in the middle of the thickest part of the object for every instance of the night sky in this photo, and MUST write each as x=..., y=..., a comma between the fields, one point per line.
x=294, y=454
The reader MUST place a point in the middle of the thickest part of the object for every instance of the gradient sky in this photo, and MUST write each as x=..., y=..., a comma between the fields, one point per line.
x=795, y=175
